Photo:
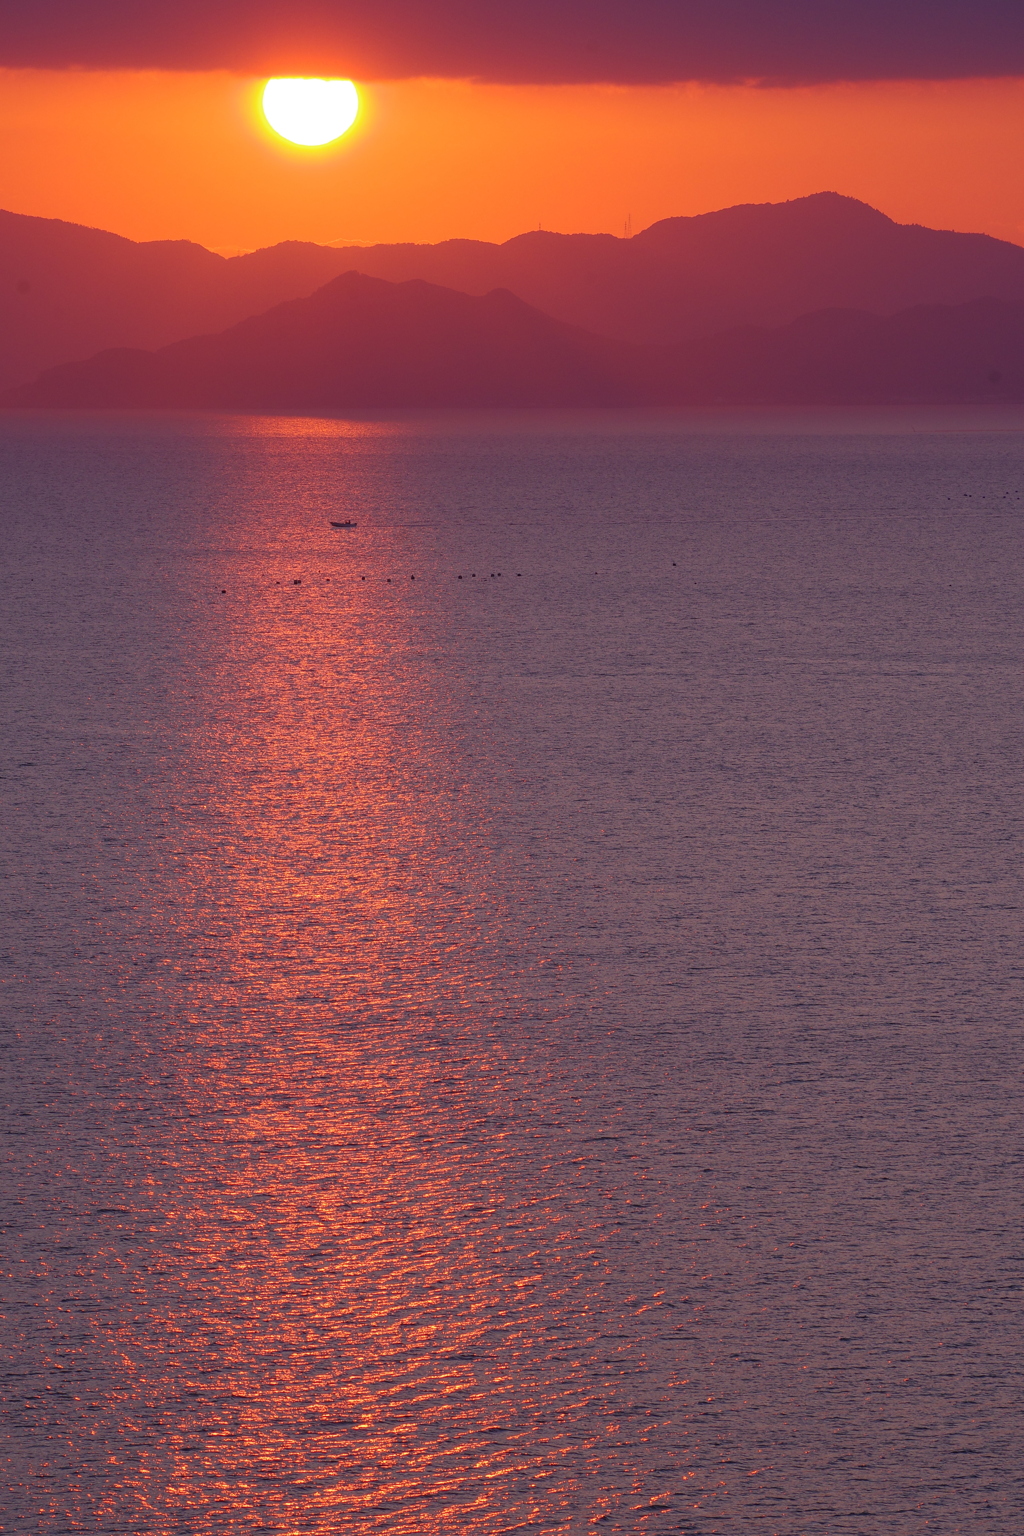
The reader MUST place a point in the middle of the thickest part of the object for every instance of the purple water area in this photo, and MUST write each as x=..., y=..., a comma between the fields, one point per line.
x=534, y=1051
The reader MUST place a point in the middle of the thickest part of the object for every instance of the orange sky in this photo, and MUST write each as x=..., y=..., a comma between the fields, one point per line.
x=158, y=155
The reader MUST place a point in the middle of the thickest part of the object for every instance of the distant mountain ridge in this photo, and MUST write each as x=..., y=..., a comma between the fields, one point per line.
x=67, y=292
x=361, y=342
x=756, y=264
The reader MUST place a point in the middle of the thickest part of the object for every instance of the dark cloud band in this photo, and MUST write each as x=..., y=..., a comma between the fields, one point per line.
x=541, y=41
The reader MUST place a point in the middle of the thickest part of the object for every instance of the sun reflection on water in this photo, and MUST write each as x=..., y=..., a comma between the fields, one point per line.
x=357, y=1267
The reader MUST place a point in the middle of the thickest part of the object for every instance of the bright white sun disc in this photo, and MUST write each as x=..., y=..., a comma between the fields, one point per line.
x=310, y=111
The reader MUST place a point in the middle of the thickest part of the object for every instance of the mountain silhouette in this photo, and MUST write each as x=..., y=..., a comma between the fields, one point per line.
x=758, y=264
x=929, y=354
x=67, y=292
x=361, y=342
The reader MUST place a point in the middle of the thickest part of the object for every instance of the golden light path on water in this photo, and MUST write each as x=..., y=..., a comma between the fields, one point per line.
x=372, y=1303
x=508, y=1053
x=363, y=1293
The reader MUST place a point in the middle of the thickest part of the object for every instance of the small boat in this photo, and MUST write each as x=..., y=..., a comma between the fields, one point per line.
x=348, y=524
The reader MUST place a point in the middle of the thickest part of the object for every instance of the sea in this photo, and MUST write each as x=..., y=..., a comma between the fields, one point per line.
x=512, y=1011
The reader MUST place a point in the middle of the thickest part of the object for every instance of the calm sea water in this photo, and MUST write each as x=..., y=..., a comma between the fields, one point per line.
x=533, y=1051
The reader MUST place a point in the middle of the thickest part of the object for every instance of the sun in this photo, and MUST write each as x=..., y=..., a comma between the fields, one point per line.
x=310, y=111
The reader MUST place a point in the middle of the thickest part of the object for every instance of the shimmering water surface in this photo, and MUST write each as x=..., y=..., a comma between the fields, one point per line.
x=534, y=1051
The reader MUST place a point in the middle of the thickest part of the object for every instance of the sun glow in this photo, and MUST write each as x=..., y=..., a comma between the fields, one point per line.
x=310, y=111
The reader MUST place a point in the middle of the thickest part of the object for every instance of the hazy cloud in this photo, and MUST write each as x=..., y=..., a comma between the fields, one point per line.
x=627, y=41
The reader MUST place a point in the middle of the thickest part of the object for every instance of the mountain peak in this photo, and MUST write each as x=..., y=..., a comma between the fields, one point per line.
x=819, y=212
